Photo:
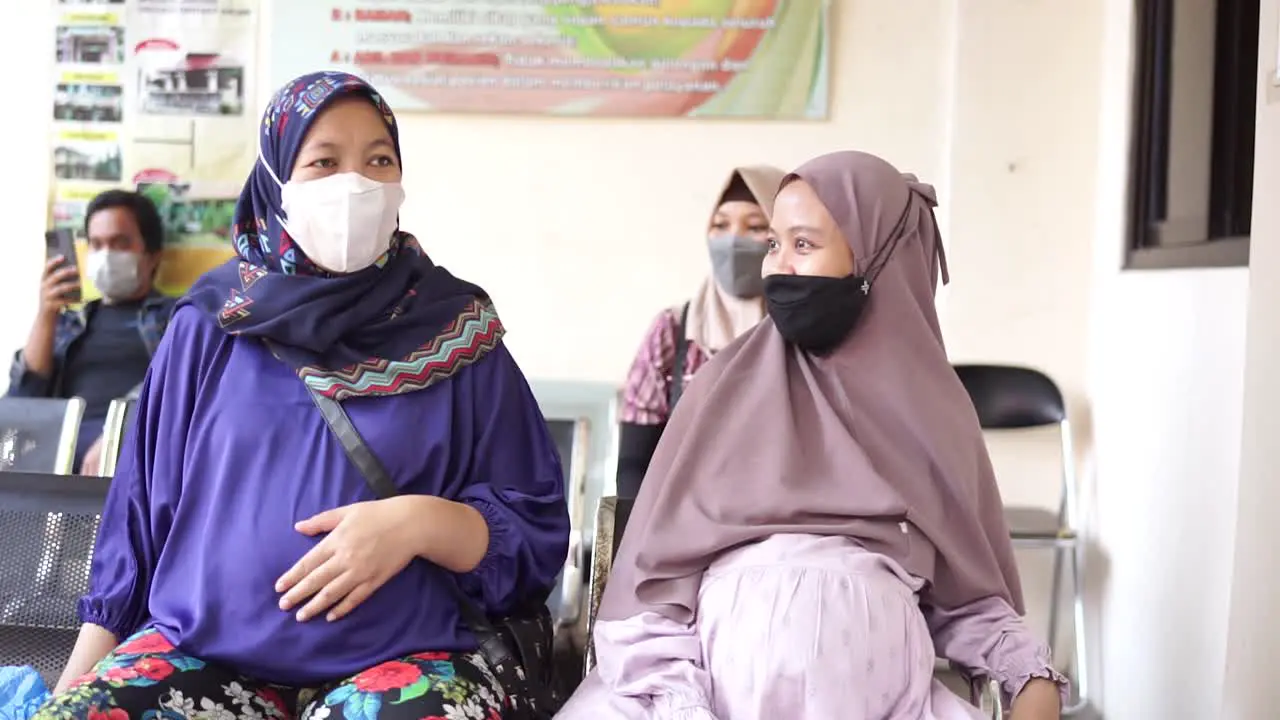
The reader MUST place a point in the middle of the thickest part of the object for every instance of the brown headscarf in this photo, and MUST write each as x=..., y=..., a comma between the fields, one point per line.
x=717, y=318
x=878, y=441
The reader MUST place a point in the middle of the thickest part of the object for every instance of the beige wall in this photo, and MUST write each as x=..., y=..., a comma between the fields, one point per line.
x=1018, y=111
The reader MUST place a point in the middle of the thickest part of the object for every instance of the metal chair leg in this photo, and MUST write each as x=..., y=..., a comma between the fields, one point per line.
x=1079, y=650
x=1055, y=598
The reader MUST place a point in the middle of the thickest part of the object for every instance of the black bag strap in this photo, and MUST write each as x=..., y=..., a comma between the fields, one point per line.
x=676, y=389
x=380, y=482
x=493, y=646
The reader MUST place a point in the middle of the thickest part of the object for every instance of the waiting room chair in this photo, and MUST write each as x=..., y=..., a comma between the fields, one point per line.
x=38, y=442
x=120, y=416
x=571, y=437
x=39, y=434
x=1007, y=397
x=611, y=521
x=49, y=525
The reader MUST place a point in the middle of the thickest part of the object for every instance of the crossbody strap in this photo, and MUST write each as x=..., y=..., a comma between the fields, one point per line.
x=493, y=646
x=682, y=353
x=380, y=482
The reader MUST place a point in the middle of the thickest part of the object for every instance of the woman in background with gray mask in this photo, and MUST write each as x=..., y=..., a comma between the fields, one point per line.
x=682, y=339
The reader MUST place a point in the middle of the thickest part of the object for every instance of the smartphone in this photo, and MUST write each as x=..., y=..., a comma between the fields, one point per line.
x=62, y=241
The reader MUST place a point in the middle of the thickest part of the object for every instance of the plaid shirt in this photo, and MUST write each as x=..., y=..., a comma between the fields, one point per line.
x=153, y=318
x=645, y=396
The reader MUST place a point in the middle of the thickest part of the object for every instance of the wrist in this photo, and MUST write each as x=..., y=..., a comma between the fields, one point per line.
x=1039, y=699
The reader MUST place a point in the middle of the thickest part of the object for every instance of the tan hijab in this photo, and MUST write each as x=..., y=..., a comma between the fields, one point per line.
x=716, y=317
x=878, y=441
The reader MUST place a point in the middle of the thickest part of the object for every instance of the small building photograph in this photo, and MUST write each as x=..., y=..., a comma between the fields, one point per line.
x=193, y=84
x=99, y=161
x=90, y=44
x=84, y=102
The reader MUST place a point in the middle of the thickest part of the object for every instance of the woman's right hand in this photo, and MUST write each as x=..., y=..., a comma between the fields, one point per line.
x=59, y=281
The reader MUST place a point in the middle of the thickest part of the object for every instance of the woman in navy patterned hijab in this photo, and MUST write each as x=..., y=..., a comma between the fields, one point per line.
x=332, y=325
x=243, y=562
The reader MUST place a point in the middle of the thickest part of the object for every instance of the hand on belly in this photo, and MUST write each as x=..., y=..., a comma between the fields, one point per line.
x=366, y=544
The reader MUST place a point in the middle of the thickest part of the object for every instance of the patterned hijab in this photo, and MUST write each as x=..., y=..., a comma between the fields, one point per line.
x=392, y=328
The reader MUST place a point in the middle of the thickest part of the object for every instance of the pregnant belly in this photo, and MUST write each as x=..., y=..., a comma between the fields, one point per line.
x=819, y=625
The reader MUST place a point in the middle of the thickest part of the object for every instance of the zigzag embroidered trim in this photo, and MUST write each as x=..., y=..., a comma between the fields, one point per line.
x=475, y=332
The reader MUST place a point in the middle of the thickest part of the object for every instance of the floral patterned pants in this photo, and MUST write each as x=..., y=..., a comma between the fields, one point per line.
x=146, y=678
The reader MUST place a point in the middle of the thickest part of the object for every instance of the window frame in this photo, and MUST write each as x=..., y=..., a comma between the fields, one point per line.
x=1234, y=94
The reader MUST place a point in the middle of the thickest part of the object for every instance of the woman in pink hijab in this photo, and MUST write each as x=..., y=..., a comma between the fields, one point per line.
x=682, y=339
x=820, y=518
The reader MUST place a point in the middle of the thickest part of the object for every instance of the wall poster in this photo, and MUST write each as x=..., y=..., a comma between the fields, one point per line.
x=634, y=58
x=154, y=95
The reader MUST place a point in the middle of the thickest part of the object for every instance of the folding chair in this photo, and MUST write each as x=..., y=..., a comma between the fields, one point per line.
x=611, y=521
x=1017, y=398
x=571, y=437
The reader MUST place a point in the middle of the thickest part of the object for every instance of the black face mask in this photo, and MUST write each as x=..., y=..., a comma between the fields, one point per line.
x=813, y=313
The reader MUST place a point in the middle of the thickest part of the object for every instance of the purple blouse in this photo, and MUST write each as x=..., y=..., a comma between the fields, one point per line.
x=228, y=452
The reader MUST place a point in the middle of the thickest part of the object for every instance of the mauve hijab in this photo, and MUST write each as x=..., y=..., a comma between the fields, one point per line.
x=877, y=441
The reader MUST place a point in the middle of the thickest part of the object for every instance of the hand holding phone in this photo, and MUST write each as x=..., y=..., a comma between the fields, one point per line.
x=61, y=282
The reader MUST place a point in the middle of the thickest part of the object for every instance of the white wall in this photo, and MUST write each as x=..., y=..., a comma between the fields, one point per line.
x=1253, y=648
x=24, y=188
x=1165, y=380
x=584, y=230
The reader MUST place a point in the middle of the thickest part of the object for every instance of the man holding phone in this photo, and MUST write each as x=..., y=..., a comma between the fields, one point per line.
x=99, y=352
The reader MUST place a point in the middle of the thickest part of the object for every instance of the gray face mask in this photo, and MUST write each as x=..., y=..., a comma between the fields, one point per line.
x=735, y=264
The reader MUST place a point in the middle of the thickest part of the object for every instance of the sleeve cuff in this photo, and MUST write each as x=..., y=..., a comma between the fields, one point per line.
x=93, y=611
x=23, y=382
x=499, y=537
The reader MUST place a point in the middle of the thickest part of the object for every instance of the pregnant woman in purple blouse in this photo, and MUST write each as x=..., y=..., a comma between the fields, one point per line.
x=244, y=568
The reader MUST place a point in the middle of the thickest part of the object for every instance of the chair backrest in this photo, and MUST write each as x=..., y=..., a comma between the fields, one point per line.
x=596, y=403
x=1008, y=397
x=39, y=434
x=571, y=437
x=49, y=525
x=120, y=416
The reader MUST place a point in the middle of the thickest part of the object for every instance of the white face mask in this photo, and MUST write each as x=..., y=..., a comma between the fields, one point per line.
x=343, y=222
x=114, y=273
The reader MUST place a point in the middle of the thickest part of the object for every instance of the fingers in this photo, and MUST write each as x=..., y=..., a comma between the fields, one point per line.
x=358, y=594
x=324, y=522
x=59, y=282
x=317, y=586
x=61, y=275
x=52, y=264
x=316, y=557
x=336, y=589
x=63, y=289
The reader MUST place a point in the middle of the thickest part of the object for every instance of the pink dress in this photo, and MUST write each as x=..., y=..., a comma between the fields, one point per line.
x=805, y=628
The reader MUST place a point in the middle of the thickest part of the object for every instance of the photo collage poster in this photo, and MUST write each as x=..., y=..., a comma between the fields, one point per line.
x=156, y=95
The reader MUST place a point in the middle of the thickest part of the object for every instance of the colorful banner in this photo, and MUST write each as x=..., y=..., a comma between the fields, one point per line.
x=153, y=94
x=651, y=58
